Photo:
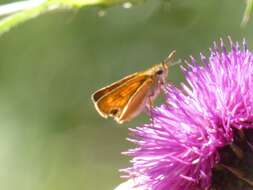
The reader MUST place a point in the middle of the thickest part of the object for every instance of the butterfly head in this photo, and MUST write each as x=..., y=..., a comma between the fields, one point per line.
x=161, y=70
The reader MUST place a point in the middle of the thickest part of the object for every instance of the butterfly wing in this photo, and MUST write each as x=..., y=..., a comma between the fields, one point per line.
x=113, y=102
x=137, y=102
x=103, y=91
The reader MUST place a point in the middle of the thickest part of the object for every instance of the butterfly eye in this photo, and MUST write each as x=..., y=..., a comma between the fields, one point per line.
x=159, y=72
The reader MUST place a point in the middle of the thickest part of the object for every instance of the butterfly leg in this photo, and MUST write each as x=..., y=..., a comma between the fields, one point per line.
x=150, y=105
x=165, y=93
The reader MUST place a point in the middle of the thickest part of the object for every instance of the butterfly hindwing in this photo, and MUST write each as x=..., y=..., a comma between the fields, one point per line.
x=137, y=102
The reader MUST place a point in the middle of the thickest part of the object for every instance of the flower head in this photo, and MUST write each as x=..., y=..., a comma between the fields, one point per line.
x=179, y=148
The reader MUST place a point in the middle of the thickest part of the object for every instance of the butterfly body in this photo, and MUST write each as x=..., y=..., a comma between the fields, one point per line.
x=127, y=98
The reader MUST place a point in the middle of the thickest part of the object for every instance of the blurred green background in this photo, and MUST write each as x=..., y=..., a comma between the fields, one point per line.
x=51, y=137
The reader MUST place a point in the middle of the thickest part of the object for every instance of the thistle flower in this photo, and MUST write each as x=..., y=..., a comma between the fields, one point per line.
x=182, y=145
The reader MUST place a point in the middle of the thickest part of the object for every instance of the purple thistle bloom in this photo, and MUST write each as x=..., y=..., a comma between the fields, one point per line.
x=179, y=148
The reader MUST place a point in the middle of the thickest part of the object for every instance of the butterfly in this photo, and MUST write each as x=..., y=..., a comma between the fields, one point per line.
x=125, y=99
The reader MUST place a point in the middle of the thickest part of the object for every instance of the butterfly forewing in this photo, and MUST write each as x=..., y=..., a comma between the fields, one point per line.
x=100, y=93
x=113, y=102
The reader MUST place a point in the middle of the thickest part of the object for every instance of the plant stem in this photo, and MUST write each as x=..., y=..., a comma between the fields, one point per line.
x=247, y=12
x=20, y=12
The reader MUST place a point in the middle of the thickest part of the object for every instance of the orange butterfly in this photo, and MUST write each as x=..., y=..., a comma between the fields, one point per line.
x=127, y=98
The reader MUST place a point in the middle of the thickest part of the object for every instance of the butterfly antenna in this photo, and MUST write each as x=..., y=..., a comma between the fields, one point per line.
x=169, y=61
